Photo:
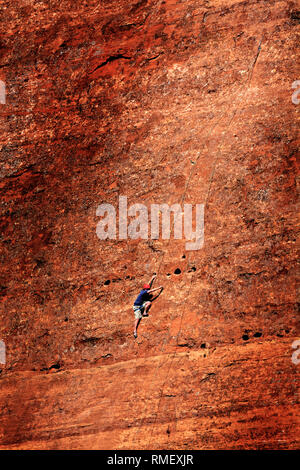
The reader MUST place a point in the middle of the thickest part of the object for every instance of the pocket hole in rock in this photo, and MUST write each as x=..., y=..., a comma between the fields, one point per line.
x=245, y=337
x=192, y=269
x=177, y=271
x=106, y=283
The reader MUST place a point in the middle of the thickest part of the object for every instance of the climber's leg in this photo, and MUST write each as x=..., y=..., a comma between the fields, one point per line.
x=138, y=316
x=146, y=306
x=136, y=324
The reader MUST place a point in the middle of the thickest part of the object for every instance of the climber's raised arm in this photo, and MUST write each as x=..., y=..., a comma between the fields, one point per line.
x=152, y=280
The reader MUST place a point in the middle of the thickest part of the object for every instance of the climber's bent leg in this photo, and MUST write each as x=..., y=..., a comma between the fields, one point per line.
x=146, y=306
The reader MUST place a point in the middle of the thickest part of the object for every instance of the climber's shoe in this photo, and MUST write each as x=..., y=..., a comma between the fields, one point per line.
x=135, y=334
x=145, y=314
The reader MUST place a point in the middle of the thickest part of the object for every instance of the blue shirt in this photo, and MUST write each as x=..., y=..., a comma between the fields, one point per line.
x=142, y=297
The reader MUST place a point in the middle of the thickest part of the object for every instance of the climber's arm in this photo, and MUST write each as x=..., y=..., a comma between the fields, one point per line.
x=154, y=290
x=160, y=289
x=152, y=280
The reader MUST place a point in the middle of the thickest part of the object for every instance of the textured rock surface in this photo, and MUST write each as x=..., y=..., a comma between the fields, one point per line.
x=167, y=101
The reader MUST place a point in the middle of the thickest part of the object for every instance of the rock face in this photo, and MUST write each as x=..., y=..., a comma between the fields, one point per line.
x=162, y=102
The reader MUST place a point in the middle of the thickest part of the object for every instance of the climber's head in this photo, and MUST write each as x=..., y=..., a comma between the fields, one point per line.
x=146, y=286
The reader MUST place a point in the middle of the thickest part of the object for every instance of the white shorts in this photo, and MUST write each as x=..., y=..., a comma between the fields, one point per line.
x=139, y=310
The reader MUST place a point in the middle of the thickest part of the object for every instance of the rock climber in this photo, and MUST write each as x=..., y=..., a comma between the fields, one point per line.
x=143, y=303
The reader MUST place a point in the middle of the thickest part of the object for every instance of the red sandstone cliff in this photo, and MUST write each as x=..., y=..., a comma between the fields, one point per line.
x=163, y=102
